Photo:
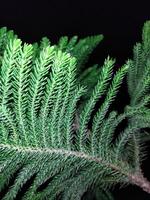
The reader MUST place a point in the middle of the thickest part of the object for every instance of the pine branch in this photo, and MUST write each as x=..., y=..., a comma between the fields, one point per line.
x=98, y=91
x=52, y=139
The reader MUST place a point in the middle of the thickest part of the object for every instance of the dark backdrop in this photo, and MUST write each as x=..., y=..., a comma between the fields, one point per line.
x=120, y=22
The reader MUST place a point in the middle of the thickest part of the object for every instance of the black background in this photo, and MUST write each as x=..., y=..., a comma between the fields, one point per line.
x=120, y=22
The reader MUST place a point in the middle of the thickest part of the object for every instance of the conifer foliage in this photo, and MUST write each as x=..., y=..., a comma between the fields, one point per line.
x=48, y=98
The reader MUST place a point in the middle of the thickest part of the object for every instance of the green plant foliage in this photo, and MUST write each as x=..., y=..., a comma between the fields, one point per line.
x=138, y=78
x=47, y=101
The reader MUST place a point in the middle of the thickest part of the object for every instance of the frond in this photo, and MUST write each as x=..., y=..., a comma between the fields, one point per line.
x=38, y=79
x=138, y=78
x=89, y=78
x=100, y=115
x=139, y=68
x=5, y=36
x=45, y=42
x=63, y=68
x=124, y=137
x=146, y=38
x=71, y=43
x=7, y=68
x=20, y=88
x=62, y=43
x=79, y=49
x=98, y=91
x=84, y=48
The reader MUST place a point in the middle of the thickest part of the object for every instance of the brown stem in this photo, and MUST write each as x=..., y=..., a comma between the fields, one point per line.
x=141, y=181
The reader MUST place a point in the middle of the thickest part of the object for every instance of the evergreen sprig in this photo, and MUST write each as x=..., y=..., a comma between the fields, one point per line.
x=56, y=141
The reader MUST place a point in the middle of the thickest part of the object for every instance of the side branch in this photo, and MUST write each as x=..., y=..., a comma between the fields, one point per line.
x=135, y=179
x=140, y=181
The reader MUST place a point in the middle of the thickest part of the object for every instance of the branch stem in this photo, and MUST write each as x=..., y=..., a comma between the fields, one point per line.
x=136, y=179
x=141, y=181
